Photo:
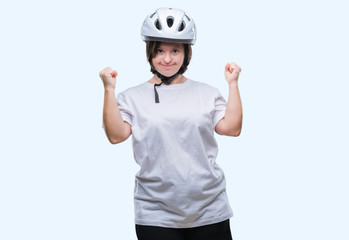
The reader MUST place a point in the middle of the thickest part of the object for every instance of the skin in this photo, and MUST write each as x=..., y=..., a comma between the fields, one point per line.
x=231, y=123
x=167, y=61
x=116, y=128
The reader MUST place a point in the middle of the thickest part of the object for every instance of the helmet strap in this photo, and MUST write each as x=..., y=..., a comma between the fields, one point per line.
x=164, y=79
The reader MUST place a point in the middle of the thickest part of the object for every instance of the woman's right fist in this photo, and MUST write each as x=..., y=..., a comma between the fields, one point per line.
x=108, y=77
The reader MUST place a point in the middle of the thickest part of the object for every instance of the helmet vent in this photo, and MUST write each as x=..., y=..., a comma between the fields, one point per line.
x=187, y=18
x=170, y=21
x=151, y=16
x=181, y=27
x=157, y=24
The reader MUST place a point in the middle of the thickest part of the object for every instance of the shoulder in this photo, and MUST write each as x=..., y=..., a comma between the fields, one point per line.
x=204, y=87
x=134, y=91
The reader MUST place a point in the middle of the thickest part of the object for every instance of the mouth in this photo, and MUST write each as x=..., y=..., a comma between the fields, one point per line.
x=167, y=66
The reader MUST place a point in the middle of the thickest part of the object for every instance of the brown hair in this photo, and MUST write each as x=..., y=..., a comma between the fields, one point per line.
x=151, y=50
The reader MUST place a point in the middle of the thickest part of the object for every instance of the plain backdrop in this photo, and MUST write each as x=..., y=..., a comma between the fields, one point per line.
x=287, y=174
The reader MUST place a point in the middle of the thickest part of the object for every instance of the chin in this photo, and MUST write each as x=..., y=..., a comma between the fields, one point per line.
x=167, y=74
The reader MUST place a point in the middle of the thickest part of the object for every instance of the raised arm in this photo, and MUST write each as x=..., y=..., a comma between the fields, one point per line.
x=116, y=128
x=231, y=124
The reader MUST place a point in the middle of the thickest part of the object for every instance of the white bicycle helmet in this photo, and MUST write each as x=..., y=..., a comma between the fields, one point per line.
x=169, y=25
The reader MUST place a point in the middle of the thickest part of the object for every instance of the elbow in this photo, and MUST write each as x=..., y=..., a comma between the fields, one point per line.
x=115, y=140
x=229, y=132
x=235, y=133
x=229, y=128
x=120, y=136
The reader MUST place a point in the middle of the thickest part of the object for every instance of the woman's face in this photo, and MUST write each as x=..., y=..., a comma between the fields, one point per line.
x=169, y=58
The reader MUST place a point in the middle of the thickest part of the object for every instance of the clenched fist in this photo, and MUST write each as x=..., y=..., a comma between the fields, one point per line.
x=108, y=77
x=232, y=71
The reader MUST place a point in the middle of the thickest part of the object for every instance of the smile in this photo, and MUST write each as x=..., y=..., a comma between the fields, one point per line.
x=167, y=67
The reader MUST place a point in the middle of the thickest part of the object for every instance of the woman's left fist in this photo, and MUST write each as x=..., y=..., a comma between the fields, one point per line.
x=232, y=71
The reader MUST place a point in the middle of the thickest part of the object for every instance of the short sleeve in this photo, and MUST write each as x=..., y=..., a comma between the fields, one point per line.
x=124, y=108
x=219, y=108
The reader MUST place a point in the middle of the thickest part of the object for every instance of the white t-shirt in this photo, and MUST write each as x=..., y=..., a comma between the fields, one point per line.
x=179, y=184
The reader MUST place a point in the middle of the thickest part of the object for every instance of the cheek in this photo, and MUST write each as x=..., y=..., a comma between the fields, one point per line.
x=155, y=60
x=181, y=60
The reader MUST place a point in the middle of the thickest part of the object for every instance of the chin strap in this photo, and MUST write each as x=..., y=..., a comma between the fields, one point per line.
x=164, y=79
x=156, y=92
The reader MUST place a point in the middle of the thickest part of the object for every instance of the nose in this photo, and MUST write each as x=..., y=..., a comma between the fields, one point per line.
x=167, y=58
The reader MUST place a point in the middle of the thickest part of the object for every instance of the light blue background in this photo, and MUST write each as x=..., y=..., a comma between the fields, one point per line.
x=287, y=174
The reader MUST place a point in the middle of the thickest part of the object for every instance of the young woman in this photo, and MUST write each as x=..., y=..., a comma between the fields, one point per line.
x=180, y=190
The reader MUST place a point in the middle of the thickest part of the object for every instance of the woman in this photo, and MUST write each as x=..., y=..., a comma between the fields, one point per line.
x=179, y=190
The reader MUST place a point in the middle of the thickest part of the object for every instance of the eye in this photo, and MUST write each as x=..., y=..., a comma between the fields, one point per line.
x=160, y=50
x=175, y=50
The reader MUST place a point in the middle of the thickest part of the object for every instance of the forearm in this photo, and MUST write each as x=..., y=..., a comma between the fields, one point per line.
x=233, y=112
x=114, y=125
